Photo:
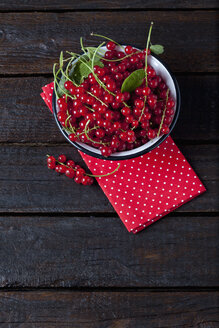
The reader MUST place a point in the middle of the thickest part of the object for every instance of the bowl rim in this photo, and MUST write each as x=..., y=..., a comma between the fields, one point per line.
x=134, y=155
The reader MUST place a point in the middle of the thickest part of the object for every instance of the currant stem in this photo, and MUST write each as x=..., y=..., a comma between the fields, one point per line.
x=146, y=55
x=161, y=123
x=105, y=37
x=104, y=175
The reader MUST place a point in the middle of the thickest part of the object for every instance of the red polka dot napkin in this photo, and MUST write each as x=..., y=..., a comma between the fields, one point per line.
x=145, y=188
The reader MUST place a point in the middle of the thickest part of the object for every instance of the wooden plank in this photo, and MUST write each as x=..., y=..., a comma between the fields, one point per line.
x=31, y=42
x=24, y=117
x=99, y=252
x=47, y=309
x=47, y=5
x=28, y=186
x=113, y=4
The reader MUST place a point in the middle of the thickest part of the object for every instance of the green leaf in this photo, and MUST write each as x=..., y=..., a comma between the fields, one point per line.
x=133, y=81
x=157, y=49
x=82, y=70
x=61, y=86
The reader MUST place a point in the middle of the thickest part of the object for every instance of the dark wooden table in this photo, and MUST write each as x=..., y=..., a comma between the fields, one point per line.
x=66, y=260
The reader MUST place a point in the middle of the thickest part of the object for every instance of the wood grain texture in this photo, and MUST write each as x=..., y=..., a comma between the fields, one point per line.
x=28, y=186
x=45, y=309
x=31, y=42
x=99, y=252
x=46, y=5
x=25, y=118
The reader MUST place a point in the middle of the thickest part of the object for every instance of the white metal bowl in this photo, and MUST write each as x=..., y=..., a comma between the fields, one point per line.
x=172, y=84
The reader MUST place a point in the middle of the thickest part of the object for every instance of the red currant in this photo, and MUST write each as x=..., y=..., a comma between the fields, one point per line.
x=62, y=158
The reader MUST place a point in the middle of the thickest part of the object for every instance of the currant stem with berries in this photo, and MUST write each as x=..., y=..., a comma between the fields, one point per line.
x=72, y=170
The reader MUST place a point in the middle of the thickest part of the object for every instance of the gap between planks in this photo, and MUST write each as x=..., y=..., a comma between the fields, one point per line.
x=57, y=11
x=112, y=289
x=100, y=214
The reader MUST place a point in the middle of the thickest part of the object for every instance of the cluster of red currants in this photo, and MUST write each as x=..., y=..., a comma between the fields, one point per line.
x=70, y=169
x=103, y=117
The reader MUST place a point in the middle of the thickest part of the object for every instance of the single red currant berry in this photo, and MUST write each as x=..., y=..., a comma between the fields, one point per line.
x=145, y=125
x=106, y=151
x=106, y=124
x=57, y=167
x=121, y=67
x=77, y=103
x=134, y=123
x=114, y=69
x=62, y=158
x=90, y=181
x=128, y=50
x=158, y=111
x=108, y=55
x=125, y=111
x=51, y=166
x=115, y=105
x=62, y=104
x=152, y=100
x=123, y=136
x=96, y=116
x=100, y=72
x=90, y=100
x=62, y=169
x=146, y=91
x=70, y=163
x=129, y=119
x=165, y=129
x=51, y=160
x=138, y=91
x=109, y=115
x=108, y=98
x=120, y=97
x=70, y=173
x=151, y=72
x=151, y=134
x=118, y=76
x=83, y=111
x=169, y=112
x=73, y=137
x=170, y=103
x=110, y=45
x=120, y=54
x=62, y=116
x=126, y=95
x=115, y=142
x=80, y=90
x=139, y=103
x=83, y=98
x=153, y=83
x=117, y=126
x=111, y=85
x=167, y=120
x=102, y=109
x=80, y=172
x=146, y=116
x=77, y=179
x=100, y=133
x=137, y=111
x=68, y=85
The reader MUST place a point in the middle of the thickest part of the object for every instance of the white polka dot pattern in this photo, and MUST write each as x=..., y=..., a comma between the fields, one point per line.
x=145, y=188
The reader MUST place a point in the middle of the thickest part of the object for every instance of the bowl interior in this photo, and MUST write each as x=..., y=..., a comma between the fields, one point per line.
x=166, y=76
